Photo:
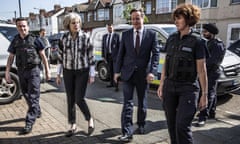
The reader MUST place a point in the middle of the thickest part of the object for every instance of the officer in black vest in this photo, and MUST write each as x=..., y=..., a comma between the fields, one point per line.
x=217, y=51
x=28, y=49
x=184, y=65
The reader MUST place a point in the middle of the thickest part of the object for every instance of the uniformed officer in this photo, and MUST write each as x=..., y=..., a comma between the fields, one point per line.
x=184, y=65
x=217, y=51
x=28, y=49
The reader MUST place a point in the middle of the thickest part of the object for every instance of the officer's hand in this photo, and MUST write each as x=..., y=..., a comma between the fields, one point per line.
x=159, y=92
x=58, y=80
x=150, y=77
x=91, y=79
x=8, y=77
x=203, y=103
x=48, y=76
x=116, y=77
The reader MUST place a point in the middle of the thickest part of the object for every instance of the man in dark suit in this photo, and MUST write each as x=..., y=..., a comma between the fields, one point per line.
x=110, y=47
x=137, y=62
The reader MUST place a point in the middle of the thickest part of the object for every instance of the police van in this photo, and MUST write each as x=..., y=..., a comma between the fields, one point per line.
x=228, y=81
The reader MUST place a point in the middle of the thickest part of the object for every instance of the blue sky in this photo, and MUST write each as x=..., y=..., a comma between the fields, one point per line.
x=7, y=7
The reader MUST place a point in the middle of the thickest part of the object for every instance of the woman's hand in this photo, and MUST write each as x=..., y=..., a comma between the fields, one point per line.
x=58, y=80
x=91, y=79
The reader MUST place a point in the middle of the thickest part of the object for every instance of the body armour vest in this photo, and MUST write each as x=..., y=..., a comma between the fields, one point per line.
x=27, y=55
x=180, y=58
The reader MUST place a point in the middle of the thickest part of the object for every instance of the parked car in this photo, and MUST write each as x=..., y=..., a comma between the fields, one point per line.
x=229, y=79
x=8, y=92
x=54, y=41
x=235, y=47
x=12, y=91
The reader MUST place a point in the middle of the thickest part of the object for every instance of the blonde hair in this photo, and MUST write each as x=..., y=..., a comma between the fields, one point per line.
x=69, y=17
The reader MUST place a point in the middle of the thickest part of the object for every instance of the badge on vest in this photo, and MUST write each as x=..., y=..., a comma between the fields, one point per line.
x=187, y=49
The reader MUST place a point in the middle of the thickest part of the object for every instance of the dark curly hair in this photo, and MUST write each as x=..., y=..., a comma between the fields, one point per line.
x=191, y=13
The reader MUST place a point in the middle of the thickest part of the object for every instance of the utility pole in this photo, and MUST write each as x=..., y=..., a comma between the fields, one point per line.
x=20, y=9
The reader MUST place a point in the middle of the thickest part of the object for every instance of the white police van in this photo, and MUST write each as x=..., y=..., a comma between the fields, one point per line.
x=228, y=81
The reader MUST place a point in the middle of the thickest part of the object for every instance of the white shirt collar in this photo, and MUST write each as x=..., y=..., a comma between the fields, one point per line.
x=140, y=30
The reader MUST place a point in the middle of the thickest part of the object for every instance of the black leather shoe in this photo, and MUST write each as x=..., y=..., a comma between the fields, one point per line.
x=108, y=86
x=140, y=130
x=71, y=132
x=26, y=130
x=116, y=89
x=125, y=138
x=90, y=130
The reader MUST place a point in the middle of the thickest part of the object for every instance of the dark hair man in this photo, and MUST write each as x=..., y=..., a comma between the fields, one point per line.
x=217, y=50
x=27, y=49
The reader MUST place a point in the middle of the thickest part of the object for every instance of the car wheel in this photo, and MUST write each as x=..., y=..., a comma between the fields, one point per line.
x=9, y=92
x=103, y=72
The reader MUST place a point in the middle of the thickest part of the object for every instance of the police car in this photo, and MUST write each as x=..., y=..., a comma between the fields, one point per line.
x=229, y=79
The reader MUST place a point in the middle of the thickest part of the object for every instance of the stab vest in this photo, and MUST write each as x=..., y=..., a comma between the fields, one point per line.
x=180, y=58
x=27, y=55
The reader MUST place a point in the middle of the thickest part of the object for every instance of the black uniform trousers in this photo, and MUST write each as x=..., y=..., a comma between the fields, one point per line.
x=180, y=104
x=30, y=86
x=76, y=84
x=138, y=80
x=212, y=96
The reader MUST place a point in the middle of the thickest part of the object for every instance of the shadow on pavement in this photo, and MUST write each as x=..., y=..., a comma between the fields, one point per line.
x=219, y=135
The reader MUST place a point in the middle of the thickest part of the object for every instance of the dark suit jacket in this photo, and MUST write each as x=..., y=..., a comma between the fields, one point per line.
x=114, y=46
x=146, y=60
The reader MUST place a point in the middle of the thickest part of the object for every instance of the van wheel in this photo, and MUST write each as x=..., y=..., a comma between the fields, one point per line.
x=103, y=72
x=9, y=92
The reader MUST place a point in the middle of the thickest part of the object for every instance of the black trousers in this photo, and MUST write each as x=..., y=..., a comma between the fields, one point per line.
x=212, y=96
x=138, y=81
x=30, y=86
x=180, y=105
x=111, y=70
x=76, y=84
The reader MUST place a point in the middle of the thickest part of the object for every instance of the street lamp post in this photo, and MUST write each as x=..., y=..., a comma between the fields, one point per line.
x=20, y=9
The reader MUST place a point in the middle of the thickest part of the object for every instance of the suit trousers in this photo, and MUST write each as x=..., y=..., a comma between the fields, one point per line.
x=180, y=104
x=138, y=80
x=76, y=84
x=110, y=66
x=30, y=86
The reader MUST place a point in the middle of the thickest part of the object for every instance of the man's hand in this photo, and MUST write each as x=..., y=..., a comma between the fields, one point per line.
x=91, y=79
x=116, y=76
x=8, y=77
x=150, y=77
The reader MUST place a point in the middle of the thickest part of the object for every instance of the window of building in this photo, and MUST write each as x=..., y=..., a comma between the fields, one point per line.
x=148, y=7
x=118, y=11
x=82, y=17
x=165, y=6
x=233, y=33
x=100, y=14
x=89, y=16
x=106, y=14
x=205, y=3
x=235, y=1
